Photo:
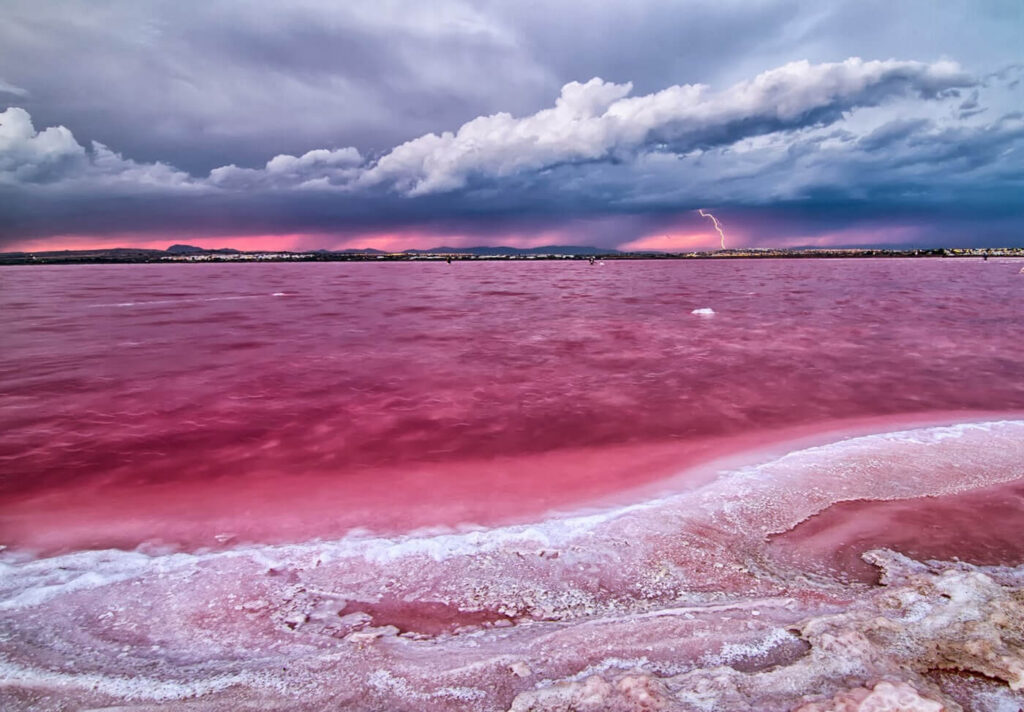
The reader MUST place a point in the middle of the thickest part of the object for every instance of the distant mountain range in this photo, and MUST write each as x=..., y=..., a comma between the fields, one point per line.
x=504, y=250
x=480, y=250
x=192, y=250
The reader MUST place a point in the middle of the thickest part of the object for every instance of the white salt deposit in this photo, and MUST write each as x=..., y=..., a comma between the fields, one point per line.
x=674, y=603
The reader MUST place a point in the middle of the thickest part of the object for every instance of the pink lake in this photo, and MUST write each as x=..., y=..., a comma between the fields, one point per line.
x=507, y=485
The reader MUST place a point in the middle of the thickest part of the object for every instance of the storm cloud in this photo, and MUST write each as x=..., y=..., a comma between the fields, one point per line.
x=483, y=123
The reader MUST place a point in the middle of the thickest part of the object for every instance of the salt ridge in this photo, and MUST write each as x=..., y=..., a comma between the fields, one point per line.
x=674, y=599
x=552, y=532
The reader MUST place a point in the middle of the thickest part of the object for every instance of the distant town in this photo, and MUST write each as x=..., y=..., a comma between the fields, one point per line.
x=189, y=253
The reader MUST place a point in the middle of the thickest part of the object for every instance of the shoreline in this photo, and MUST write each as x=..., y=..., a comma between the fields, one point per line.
x=654, y=604
x=94, y=519
x=145, y=256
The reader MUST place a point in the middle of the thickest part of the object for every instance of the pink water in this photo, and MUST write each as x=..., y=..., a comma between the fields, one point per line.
x=503, y=485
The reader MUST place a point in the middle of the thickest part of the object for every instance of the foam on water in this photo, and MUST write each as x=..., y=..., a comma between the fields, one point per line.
x=188, y=300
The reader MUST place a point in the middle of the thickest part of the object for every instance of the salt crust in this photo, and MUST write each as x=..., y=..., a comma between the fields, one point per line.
x=667, y=604
x=927, y=617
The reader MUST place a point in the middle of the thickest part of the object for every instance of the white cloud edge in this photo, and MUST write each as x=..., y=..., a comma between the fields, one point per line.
x=591, y=121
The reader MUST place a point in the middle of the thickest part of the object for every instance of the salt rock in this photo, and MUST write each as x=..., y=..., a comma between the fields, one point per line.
x=632, y=693
x=883, y=697
x=520, y=669
x=368, y=635
x=355, y=620
x=295, y=620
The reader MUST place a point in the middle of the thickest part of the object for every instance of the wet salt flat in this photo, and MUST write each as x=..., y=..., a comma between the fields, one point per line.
x=533, y=486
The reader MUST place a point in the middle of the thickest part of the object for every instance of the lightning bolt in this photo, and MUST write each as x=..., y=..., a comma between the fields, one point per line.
x=717, y=226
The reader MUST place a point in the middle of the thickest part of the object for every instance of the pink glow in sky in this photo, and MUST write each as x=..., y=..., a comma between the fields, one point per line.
x=162, y=242
x=852, y=237
x=674, y=238
x=398, y=240
x=672, y=242
x=286, y=242
x=387, y=241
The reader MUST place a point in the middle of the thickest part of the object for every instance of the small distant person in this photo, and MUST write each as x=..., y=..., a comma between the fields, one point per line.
x=448, y=259
x=591, y=260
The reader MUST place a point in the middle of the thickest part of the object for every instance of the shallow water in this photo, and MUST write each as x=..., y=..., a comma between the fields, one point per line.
x=512, y=485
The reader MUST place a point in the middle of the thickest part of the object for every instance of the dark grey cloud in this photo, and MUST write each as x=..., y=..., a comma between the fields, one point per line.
x=213, y=83
x=201, y=85
x=11, y=89
x=481, y=117
x=595, y=121
x=892, y=132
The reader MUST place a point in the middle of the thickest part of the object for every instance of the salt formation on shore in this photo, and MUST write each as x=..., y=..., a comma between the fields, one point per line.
x=902, y=641
x=694, y=601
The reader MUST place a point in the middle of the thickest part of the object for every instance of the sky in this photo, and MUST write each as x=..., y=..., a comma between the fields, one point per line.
x=398, y=124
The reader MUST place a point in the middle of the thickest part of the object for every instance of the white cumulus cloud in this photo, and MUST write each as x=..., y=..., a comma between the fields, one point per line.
x=30, y=156
x=321, y=167
x=599, y=121
x=53, y=155
x=590, y=123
